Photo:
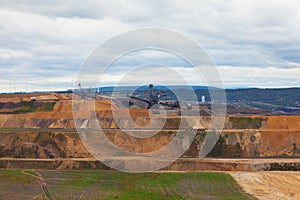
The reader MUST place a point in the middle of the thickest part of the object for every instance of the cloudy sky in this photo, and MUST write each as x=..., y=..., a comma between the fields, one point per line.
x=252, y=43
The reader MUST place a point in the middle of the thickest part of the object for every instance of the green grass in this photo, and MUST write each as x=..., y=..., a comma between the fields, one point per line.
x=246, y=122
x=30, y=106
x=14, y=177
x=7, y=129
x=120, y=185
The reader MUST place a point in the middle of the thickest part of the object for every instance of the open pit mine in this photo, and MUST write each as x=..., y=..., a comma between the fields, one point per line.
x=38, y=132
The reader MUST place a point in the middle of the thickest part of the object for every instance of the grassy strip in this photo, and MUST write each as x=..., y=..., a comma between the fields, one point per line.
x=30, y=106
x=120, y=185
x=246, y=122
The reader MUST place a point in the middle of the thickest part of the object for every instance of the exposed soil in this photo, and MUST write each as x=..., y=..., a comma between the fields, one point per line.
x=242, y=137
x=269, y=185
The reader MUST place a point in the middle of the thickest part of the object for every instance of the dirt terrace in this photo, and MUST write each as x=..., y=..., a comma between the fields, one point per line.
x=181, y=164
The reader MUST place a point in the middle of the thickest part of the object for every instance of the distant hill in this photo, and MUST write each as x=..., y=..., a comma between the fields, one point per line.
x=277, y=100
x=157, y=87
x=282, y=96
x=278, y=96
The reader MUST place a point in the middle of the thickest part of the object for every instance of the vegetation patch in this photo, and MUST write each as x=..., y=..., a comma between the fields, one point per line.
x=246, y=122
x=95, y=185
x=31, y=106
x=120, y=185
x=14, y=177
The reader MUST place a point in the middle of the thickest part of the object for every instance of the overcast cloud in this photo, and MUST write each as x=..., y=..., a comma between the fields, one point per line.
x=253, y=43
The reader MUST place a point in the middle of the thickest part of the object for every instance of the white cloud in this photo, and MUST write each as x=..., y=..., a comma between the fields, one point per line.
x=48, y=40
x=265, y=77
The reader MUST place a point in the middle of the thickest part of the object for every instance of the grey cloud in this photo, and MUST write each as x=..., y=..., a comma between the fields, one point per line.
x=56, y=36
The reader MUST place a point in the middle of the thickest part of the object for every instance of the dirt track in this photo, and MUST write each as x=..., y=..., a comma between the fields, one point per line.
x=38, y=176
x=269, y=185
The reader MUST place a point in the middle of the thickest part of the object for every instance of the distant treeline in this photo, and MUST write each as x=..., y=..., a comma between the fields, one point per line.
x=282, y=97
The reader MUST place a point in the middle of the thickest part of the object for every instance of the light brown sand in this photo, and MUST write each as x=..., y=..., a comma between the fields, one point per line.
x=269, y=185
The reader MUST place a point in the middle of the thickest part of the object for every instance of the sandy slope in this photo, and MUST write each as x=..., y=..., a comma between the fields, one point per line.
x=270, y=185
